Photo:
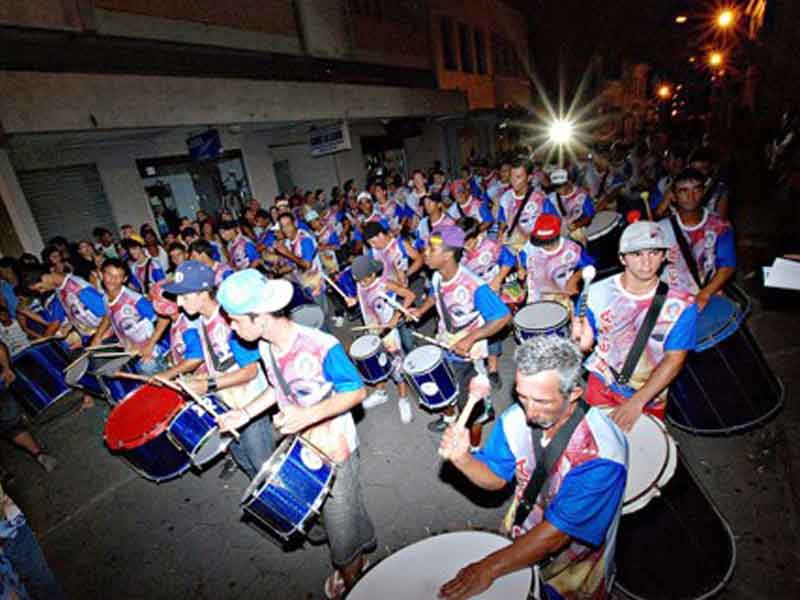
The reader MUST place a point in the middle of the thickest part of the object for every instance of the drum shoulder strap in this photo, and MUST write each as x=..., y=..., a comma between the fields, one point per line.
x=688, y=257
x=546, y=458
x=561, y=206
x=448, y=320
x=282, y=384
x=219, y=367
x=643, y=334
x=518, y=214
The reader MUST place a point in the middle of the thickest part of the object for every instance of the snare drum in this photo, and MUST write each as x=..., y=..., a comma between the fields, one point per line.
x=431, y=377
x=602, y=237
x=40, y=381
x=419, y=570
x=371, y=358
x=541, y=318
x=726, y=384
x=114, y=388
x=347, y=283
x=303, y=310
x=290, y=487
x=136, y=430
x=195, y=431
x=652, y=458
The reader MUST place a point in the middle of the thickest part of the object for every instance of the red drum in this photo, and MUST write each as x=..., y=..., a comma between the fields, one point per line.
x=137, y=430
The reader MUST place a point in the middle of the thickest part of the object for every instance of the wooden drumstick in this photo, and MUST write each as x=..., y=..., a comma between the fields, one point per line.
x=335, y=287
x=76, y=361
x=430, y=340
x=400, y=307
x=209, y=408
x=472, y=400
x=102, y=346
x=112, y=354
x=366, y=327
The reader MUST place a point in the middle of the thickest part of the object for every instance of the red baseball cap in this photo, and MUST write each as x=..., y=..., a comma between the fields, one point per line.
x=547, y=227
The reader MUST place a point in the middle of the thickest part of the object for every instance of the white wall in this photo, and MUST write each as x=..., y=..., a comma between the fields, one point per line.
x=423, y=151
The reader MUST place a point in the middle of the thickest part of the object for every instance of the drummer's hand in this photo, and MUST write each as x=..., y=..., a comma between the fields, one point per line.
x=199, y=385
x=146, y=351
x=351, y=302
x=415, y=311
x=455, y=444
x=470, y=581
x=463, y=346
x=232, y=420
x=701, y=299
x=8, y=376
x=293, y=419
x=626, y=415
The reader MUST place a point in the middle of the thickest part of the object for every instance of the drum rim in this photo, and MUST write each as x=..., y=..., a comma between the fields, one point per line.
x=261, y=479
x=561, y=323
x=605, y=230
x=425, y=347
x=665, y=473
x=731, y=325
x=375, y=351
x=150, y=434
x=310, y=306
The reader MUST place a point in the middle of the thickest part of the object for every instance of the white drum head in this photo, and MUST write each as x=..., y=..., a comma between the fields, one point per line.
x=602, y=223
x=652, y=458
x=419, y=570
x=309, y=315
x=112, y=365
x=365, y=346
x=541, y=315
x=271, y=466
x=422, y=359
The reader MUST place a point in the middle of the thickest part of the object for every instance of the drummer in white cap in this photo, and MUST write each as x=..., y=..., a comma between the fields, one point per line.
x=616, y=309
x=574, y=205
x=314, y=385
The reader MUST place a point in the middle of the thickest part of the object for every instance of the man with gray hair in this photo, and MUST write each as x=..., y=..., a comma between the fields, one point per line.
x=570, y=466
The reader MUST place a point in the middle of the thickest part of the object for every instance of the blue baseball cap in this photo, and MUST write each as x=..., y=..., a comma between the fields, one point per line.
x=190, y=276
x=249, y=291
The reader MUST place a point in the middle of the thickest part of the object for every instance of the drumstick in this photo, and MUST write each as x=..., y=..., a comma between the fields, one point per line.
x=587, y=274
x=206, y=405
x=336, y=288
x=474, y=397
x=112, y=354
x=430, y=340
x=363, y=327
x=147, y=379
x=400, y=307
x=101, y=346
x=75, y=362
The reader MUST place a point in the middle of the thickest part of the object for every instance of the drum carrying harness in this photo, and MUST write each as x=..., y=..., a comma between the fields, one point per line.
x=518, y=214
x=642, y=336
x=688, y=257
x=546, y=458
x=219, y=366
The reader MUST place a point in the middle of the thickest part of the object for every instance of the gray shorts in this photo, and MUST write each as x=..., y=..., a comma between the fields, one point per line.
x=10, y=416
x=349, y=528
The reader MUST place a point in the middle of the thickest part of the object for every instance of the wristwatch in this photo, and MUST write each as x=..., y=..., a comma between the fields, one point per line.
x=211, y=384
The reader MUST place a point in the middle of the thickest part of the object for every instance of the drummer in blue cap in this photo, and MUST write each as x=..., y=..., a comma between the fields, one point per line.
x=315, y=386
x=224, y=364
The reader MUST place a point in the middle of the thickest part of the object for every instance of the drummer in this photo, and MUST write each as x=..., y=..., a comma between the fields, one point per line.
x=399, y=257
x=470, y=313
x=300, y=360
x=435, y=217
x=575, y=206
x=302, y=252
x=227, y=363
x=132, y=319
x=515, y=229
x=242, y=250
x=202, y=251
x=569, y=512
x=550, y=264
x=182, y=331
x=616, y=309
x=709, y=238
x=373, y=285
x=492, y=262
x=145, y=270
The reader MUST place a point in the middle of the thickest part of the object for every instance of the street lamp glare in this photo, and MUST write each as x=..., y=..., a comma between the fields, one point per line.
x=664, y=92
x=681, y=19
x=715, y=59
x=725, y=18
x=560, y=131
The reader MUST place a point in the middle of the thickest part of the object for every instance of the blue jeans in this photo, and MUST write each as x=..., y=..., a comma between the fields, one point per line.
x=254, y=446
x=26, y=555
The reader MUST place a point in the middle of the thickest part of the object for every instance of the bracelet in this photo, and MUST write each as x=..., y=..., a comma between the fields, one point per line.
x=211, y=384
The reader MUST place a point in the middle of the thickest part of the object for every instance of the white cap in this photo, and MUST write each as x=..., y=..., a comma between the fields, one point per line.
x=365, y=195
x=311, y=214
x=249, y=291
x=642, y=235
x=558, y=176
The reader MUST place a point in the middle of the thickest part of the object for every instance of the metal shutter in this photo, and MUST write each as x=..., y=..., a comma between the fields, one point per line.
x=67, y=201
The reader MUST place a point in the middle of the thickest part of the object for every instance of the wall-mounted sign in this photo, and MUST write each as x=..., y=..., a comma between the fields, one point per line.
x=330, y=139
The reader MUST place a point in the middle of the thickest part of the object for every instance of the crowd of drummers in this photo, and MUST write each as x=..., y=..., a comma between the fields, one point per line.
x=594, y=275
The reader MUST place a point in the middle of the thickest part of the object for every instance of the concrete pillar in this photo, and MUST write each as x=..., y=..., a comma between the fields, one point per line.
x=17, y=207
x=258, y=161
x=124, y=189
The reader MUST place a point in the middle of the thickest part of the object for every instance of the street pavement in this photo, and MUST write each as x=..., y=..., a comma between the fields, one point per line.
x=110, y=534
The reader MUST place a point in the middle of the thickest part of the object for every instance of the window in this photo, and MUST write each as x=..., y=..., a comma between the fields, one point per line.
x=465, y=46
x=480, y=52
x=448, y=52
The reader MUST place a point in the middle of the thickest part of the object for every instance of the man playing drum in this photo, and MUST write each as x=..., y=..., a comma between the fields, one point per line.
x=616, y=310
x=470, y=313
x=570, y=464
x=228, y=364
x=550, y=264
x=519, y=208
x=315, y=386
x=710, y=245
x=574, y=205
x=399, y=257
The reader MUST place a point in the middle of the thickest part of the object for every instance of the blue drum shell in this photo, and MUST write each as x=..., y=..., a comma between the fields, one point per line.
x=190, y=426
x=447, y=389
x=561, y=330
x=371, y=369
x=157, y=459
x=285, y=500
x=40, y=381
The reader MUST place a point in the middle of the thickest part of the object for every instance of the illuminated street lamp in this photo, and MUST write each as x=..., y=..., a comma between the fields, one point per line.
x=560, y=132
x=715, y=59
x=681, y=19
x=725, y=18
x=664, y=92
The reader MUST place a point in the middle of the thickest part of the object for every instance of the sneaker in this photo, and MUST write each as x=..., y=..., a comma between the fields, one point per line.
x=405, y=411
x=228, y=469
x=338, y=321
x=440, y=424
x=376, y=398
x=48, y=462
x=496, y=380
x=487, y=414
